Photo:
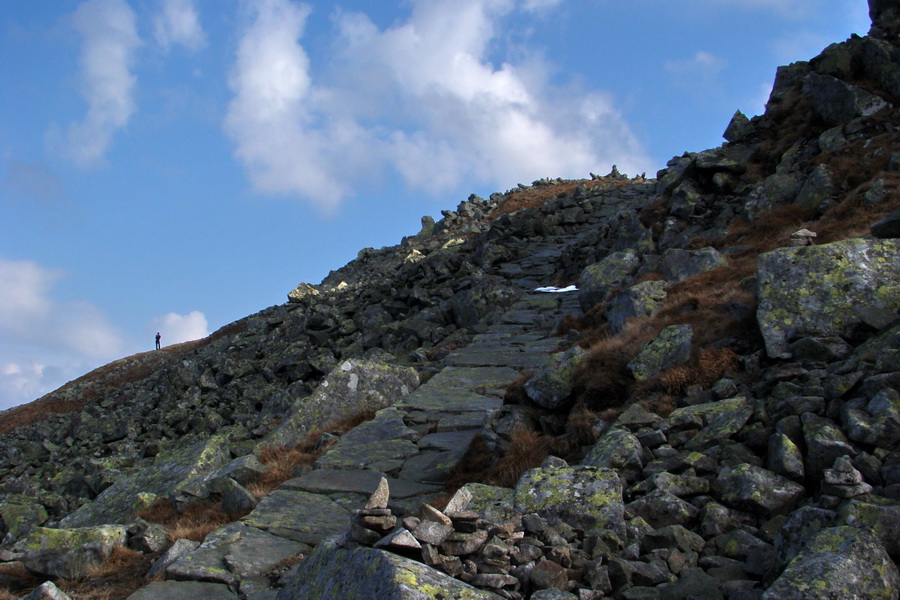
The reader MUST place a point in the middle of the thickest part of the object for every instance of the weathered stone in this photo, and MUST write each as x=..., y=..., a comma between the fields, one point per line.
x=619, y=450
x=757, y=490
x=598, y=281
x=299, y=516
x=184, y=590
x=551, y=387
x=178, y=549
x=832, y=280
x=47, y=591
x=784, y=457
x=20, y=514
x=839, y=562
x=738, y=128
x=585, y=497
x=69, y=553
x=661, y=509
x=878, y=515
x=824, y=443
x=376, y=574
x=640, y=300
x=801, y=526
x=491, y=503
x=236, y=499
x=837, y=101
x=888, y=227
x=171, y=470
x=672, y=347
x=678, y=265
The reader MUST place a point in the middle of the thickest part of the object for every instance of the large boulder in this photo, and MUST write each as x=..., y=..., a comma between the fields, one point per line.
x=584, y=497
x=551, y=386
x=69, y=553
x=672, y=347
x=839, y=562
x=757, y=490
x=641, y=299
x=837, y=101
x=598, y=281
x=820, y=290
x=170, y=472
x=357, y=573
x=678, y=264
x=351, y=387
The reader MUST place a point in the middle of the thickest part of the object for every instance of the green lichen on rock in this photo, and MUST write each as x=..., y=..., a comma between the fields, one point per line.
x=551, y=387
x=640, y=300
x=598, y=281
x=171, y=470
x=71, y=552
x=839, y=562
x=582, y=496
x=819, y=290
x=19, y=514
x=616, y=449
x=672, y=347
x=374, y=575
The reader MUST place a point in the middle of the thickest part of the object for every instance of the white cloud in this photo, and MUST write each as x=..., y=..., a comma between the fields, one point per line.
x=698, y=74
x=106, y=81
x=44, y=342
x=421, y=98
x=174, y=328
x=178, y=23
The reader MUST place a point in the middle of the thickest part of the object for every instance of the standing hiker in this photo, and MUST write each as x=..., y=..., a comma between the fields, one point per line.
x=157, y=340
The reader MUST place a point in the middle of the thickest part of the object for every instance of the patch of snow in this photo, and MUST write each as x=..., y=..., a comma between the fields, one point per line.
x=556, y=290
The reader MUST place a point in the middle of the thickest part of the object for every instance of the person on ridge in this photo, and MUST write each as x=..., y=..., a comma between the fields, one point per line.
x=157, y=340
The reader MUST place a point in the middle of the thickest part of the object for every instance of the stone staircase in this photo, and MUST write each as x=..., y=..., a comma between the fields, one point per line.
x=414, y=444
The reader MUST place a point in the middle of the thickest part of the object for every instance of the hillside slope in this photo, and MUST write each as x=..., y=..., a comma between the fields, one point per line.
x=713, y=412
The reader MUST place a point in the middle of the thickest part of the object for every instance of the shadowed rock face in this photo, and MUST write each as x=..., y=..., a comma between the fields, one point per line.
x=784, y=463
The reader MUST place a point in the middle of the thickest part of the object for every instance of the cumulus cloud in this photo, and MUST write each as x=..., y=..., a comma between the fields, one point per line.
x=45, y=342
x=175, y=328
x=421, y=98
x=178, y=23
x=106, y=80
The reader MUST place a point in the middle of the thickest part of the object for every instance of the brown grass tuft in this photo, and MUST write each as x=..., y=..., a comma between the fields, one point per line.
x=118, y=577
x=709, y=366
x=527, y=449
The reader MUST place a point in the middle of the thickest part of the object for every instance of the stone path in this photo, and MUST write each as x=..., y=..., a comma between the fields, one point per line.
x=414, y=444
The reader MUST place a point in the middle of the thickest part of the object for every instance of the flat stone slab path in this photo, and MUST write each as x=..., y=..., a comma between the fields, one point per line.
x=414, y=443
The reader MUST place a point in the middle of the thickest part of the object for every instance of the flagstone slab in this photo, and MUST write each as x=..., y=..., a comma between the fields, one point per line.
x=330, y=481
x=299, y=516
x=184, y=590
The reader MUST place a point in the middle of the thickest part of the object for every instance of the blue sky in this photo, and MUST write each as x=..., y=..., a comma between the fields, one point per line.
x=175, y=165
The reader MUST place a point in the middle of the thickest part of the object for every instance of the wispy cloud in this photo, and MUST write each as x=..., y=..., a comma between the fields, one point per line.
x=175, y=328
x=44, y=341
x=697, y=74
x=106, y=80
x=421, y=98
x=178, y=23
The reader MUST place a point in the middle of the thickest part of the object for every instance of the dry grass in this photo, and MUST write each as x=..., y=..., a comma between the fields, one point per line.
x=535, y=196
x=118, y=577
x=194, y=523
x=707, y=368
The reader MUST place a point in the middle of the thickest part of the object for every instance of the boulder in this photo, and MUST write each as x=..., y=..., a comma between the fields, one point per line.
x=819, y=290
x=817, y=189
x=583, y=496
x=170, y=471
x=19, y=514
x=551, y=386
x=877, y=515
x=738, y=128
x=888, y=227
x=672, y=347
x=598, y=281
x=351, y=387
x=376, y=574
x=640, y=300
x=678, y=264
x=69, y=553
x=839, y=102
x=617, y=449
x=184, y=590
x=47, y=591
x=757, y=490
x=839, y=562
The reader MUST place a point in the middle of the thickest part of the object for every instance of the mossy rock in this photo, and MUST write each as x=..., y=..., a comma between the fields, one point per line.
x=821, y=290
x=839, y=562
x=583, y=496
x=69, y=553
x=551, y=387
x=672, y=347
x=598, y=281
x=357, y=573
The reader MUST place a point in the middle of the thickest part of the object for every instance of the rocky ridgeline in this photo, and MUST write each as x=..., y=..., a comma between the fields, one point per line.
x=781, y=479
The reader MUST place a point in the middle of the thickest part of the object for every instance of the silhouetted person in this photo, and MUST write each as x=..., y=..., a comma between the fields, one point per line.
x=157, y=340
